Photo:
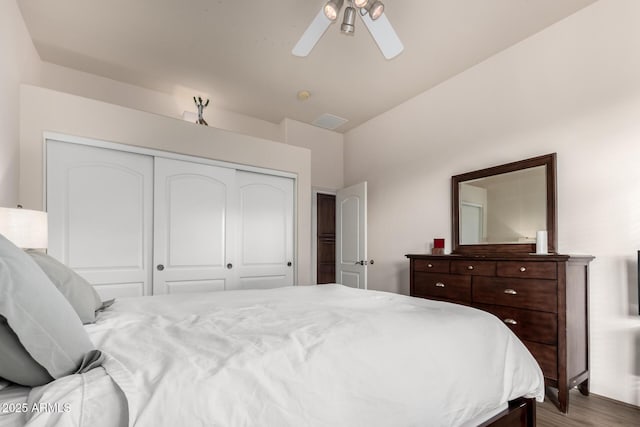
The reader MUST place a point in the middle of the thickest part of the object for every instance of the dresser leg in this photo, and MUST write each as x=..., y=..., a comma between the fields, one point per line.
x=563, y=399
x=560, y=399
x=584, y=387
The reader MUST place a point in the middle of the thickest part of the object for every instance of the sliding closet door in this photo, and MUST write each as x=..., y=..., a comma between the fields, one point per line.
x=100, y=216
x=265, y=231
x=134, y=224
x=194, y=221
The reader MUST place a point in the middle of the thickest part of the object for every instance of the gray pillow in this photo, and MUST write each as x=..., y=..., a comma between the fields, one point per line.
x=16, y=363
x=40, y=317
x=80, y=294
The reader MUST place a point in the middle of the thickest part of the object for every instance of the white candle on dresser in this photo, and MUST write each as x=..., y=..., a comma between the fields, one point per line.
x=541, y=242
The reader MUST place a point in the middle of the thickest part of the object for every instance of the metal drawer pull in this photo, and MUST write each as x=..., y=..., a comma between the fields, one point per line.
x=523, y=269
x=510, y=292
x=470, y=267
x=440, y=285
x=510, y=322
x=429, y=265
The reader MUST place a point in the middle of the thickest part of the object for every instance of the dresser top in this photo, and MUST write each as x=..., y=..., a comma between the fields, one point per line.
x=504, y=257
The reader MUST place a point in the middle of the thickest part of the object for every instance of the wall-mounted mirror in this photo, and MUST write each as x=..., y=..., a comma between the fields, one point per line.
x=499, y=210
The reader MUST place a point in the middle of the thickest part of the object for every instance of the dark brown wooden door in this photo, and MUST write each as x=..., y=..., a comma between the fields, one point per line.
x=326, y=238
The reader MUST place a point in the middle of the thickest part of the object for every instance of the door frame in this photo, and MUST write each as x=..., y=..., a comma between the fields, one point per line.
x=314, y=229
x=98, y=143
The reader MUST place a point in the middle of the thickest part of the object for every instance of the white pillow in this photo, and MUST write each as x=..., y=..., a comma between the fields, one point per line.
x=80, y=294
x=37, y=313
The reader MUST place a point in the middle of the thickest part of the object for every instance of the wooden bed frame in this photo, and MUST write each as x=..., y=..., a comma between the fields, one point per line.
x=521, y=412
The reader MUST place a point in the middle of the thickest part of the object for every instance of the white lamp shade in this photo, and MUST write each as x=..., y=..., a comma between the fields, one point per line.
x=24, y=228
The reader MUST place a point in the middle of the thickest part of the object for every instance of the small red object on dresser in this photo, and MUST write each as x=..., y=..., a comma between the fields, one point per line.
x=438, y=247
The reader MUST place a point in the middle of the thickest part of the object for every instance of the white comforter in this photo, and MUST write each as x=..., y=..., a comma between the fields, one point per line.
x=298, y=356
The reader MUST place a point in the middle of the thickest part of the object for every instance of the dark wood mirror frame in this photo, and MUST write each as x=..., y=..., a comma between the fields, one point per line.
x=549, y=161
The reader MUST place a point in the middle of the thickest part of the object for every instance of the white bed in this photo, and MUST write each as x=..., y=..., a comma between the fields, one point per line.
x=12, y=397
x=296, y=356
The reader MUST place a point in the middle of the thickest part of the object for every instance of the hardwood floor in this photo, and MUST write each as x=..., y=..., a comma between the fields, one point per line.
x=590, y=410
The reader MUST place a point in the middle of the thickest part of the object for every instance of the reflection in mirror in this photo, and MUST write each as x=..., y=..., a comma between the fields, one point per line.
x=504, y=208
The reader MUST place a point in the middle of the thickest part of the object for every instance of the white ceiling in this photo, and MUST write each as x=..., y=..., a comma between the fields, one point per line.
x=238, y=52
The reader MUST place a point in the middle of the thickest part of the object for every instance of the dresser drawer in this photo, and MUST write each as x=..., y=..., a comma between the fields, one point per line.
x=527, y=269
x=443, y=286
x=431, y=266
x=531, y=325
x=533, y=294
x=473, y=267
x=546, y=356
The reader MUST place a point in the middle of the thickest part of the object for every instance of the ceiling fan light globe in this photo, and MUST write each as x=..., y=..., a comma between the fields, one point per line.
x=332, y=9
x=360, y=3
x=375, y=9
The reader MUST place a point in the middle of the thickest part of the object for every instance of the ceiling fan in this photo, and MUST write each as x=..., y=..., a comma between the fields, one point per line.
x=372, y=14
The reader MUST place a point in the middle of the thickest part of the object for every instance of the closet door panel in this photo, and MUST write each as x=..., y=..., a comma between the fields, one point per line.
x=265, y=231
x=104, y=200
x=195, y=221
x=194, y=210
x=99, y=203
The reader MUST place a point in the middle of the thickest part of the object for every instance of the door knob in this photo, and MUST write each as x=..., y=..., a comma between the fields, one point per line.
x=289, y=264
x=371, y=262
x=229, y=266
x=160, y=267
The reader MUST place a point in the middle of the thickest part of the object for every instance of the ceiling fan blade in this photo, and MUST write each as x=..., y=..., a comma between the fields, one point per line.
x=312, y=34
x=384, y=35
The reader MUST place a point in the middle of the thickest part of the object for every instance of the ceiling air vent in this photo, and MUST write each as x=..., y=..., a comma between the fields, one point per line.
x=329, y=121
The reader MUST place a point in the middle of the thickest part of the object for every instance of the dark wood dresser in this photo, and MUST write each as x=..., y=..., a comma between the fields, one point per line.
x=543, y=299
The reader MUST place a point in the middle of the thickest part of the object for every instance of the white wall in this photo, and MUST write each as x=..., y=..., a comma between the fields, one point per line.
x=326, y=146
x=166, y=104
x=327, y=149
x=48, y=110
x=573, y=89
x=19, y=62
